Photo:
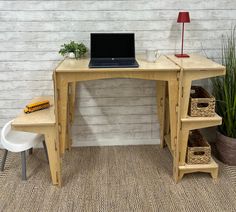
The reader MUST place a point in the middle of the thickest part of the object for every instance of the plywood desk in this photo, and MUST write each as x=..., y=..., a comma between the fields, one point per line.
x=70, y=71
x=194, y=68
x=43, y=122
x=173, y=82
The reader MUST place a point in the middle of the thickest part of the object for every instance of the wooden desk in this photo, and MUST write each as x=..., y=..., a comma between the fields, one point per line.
x=71, y=71
x=194, y=68
x=174, y=77
x=43, y=122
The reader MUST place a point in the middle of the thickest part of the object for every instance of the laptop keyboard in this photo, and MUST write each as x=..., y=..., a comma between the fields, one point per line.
x=113, y=62
x=124, y=63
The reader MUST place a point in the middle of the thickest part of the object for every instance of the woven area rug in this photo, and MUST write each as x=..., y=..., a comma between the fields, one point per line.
x=122, y=178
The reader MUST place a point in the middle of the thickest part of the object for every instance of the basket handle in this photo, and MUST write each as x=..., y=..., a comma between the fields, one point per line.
x=199, y=153
x=203, y=104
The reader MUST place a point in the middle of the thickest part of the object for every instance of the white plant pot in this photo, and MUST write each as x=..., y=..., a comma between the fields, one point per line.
x=71, y=55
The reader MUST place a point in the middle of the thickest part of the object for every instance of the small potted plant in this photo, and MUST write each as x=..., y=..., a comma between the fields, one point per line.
x=73, y=50
x=224, y=89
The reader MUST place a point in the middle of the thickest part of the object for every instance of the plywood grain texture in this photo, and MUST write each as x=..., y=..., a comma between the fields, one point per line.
x=113, y=111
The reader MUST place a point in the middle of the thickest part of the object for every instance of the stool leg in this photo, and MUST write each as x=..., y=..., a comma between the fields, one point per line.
x=4, y=160
x=30, y=151
x=23, y=161
x=45, y=149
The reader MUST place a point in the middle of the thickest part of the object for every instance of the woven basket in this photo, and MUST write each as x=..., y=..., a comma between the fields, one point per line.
x=199, y=150
x=201, y=103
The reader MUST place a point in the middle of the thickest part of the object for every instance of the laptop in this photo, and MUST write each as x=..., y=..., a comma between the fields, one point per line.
x=112, y=50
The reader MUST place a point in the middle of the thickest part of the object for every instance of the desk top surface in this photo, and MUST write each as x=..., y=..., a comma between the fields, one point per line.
x=164, y=63
x=38, y=118
x=196, y=62
x=81, y=65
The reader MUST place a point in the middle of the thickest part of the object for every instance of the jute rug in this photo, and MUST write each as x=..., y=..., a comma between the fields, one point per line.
x=127, y=178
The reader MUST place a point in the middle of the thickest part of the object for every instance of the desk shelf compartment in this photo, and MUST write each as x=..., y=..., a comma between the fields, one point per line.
x=199, y=150
x=201, y=103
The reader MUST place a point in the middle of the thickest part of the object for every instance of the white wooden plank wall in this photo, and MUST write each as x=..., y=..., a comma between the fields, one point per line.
x=117, y=111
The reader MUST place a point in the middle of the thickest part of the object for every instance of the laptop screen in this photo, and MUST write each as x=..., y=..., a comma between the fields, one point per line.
x=112, y=45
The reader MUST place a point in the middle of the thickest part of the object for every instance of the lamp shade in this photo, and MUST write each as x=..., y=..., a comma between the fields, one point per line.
x=183, y=17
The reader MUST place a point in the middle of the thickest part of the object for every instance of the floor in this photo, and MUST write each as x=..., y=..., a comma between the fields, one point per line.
x=121, y=178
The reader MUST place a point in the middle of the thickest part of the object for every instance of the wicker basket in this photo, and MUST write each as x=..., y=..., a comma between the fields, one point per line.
x=199, y=150
x=201, y=103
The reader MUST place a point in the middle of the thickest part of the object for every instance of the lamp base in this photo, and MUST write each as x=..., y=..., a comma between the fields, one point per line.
x=181, y=55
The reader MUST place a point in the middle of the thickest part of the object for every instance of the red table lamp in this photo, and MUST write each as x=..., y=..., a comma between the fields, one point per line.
x=183, y=18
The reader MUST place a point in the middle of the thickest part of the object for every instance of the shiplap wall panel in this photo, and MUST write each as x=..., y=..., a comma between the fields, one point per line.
x=163, y=45
x=115, y=111
x=116, y=5
x=140, y=35
x=131, y=15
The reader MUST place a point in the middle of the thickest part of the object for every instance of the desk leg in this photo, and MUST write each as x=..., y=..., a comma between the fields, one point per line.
x=52, y=144
x=72, y=93
x=167, y=116
x=161, y=86
x=71, y=112
x=62, y=110
x=183, y=136
x=184, y=133
x=173, y=91
x=53, y=155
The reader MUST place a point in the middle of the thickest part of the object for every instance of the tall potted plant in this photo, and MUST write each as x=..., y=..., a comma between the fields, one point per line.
x=224, y=89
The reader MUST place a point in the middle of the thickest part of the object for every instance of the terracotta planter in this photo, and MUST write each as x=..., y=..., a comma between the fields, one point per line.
x=226, y=149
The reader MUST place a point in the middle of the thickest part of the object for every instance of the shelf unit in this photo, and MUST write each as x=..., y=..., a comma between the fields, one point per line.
x=194, y=68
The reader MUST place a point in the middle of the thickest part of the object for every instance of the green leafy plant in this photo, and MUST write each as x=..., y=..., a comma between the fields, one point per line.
x=79, y=49
x=224, y=88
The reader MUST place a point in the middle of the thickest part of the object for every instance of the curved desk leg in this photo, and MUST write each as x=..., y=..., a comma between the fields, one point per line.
x=52, y=144
x=161, y=86
x=53, y=155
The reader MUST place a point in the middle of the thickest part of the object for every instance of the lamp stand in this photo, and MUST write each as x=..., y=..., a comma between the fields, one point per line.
x=182, y=55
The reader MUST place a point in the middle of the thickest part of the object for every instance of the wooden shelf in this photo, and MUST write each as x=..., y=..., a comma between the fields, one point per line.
x=197, y=167
x=42, y=117
x=200, y=122
x=202, y=119
x=211, y=168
